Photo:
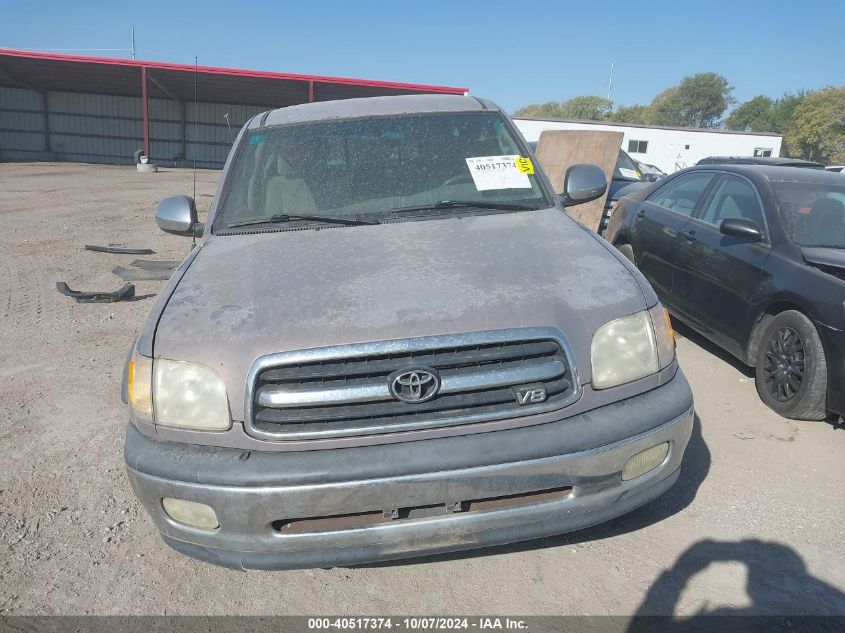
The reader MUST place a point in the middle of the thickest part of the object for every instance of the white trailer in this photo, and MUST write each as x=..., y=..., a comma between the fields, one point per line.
x=669, y=148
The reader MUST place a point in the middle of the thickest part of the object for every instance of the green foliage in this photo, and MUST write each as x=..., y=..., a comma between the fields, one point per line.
x=763, y=114
x=698, y=101
x=783, y=111
x=584, y=107
x=587, y=107
x=628, y=114
x=754, y=115
x=550, y=109
x=818, y=126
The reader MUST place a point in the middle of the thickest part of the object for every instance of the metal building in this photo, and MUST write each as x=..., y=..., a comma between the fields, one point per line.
x=101, y=110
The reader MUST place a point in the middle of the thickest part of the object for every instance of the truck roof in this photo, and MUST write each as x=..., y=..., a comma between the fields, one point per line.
x=370, y=106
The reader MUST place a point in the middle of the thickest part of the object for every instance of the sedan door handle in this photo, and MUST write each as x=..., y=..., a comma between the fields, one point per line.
x=689, y=235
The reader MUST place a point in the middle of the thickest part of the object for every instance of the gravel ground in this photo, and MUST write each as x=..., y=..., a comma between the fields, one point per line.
x=753, y=525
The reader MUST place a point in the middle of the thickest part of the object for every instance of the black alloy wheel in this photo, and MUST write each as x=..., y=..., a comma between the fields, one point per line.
x=783, y=365
x=791, y=367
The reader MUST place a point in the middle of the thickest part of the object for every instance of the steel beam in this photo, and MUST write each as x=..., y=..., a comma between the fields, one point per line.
x=145, y=110
x=161, y=86
x=47, y=144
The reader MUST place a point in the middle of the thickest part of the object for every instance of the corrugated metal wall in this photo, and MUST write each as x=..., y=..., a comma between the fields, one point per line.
x=21, y=124
x=95, y=128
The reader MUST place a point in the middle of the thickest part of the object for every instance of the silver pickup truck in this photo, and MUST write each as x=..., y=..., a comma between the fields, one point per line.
x=391, y=341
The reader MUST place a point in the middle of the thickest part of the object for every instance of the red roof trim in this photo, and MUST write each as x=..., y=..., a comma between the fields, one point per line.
x=346, y=81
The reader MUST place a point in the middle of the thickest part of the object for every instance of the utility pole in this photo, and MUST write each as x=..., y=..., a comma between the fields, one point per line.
x=133, y=41
x=610, y=84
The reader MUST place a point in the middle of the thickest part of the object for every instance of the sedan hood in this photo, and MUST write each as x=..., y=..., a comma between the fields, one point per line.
x=244, y=296
x=832, y=257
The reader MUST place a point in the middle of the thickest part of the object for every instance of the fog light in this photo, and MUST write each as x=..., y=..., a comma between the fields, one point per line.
x=190, y=513
x=643, y=462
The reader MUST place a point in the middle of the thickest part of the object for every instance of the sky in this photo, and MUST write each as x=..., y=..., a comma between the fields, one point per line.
x=514, y=53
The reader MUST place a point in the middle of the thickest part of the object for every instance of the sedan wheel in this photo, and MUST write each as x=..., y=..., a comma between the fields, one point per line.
x=791, y=368
x=783, y=366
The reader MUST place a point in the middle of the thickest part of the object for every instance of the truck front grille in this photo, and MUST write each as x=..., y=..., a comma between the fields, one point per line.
x=345, y=391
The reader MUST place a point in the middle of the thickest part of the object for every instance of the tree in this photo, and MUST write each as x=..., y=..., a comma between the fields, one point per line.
x=754, y=115
x=586, y=107
x=698, y=101
x=783, y=111
x=540, y=110
x=818, y=126
x=628, y=114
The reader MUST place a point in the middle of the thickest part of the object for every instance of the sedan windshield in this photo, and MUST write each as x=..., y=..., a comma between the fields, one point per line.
x=626, y=168
x=812, y=214
x=374, y=168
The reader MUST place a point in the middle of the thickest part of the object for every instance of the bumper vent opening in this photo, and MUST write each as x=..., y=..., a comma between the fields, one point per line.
x=360, y=520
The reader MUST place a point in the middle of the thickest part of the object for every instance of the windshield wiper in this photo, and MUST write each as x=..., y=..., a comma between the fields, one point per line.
x=470, y=204
x=280, y=218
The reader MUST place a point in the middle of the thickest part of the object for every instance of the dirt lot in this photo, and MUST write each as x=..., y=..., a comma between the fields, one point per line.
x=753, y=525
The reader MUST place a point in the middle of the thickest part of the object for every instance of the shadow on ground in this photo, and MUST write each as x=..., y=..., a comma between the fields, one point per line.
x=694, y=470
x=778, y=584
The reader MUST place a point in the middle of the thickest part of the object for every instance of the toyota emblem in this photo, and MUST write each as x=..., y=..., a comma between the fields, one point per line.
x=416, y=384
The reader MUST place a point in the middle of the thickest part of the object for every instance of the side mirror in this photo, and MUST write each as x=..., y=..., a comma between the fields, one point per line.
x=742, y=228
x=583, y=183
x=178, y=215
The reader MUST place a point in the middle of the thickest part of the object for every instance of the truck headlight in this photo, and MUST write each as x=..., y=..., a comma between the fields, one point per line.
x=139, y=378
x=189, y=396
x=632, y=347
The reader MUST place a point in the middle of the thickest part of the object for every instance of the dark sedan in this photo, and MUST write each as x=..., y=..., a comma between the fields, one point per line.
x=753, y=257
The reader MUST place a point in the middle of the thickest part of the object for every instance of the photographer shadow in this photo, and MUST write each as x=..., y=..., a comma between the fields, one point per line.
x=778, y=584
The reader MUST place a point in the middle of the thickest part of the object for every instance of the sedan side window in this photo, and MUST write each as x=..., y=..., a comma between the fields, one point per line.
x=682, y=194
x=733, y=198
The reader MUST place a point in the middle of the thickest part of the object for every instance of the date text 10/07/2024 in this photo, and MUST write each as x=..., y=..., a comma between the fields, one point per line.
x=416, y=623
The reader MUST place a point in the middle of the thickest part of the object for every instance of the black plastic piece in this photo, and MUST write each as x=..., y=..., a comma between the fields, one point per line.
x=156, y=264
x=126, y=291
x=119, y=250
x=142, y=274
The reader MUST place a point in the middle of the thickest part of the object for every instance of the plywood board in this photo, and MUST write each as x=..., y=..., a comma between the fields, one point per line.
x=558, y=150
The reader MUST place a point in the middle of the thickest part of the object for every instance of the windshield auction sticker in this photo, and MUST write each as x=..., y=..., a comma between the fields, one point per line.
x=497, y=172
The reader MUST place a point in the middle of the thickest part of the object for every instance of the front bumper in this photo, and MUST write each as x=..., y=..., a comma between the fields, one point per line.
x=250, y=499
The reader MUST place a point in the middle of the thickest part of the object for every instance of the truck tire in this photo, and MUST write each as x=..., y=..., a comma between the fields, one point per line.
x=138, y=155
x=791, y=372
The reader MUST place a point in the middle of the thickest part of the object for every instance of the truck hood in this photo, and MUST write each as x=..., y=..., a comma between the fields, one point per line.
x=244, y=296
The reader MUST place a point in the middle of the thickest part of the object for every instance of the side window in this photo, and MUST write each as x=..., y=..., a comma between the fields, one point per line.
x=732, y=198
x=637, y=147
x=682, y=193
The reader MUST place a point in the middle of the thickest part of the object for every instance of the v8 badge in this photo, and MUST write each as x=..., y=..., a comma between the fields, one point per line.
x=530, y=394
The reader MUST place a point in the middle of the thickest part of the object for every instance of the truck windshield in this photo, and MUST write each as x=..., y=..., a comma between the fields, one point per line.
x=373, y=167
x=812, y=214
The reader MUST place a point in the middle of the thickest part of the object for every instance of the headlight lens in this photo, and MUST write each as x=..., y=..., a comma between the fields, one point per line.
x=624, y=350
x=664, y=335
x=140, y=380
x=189, y=396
